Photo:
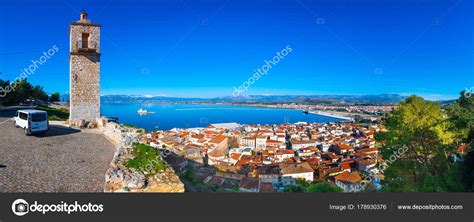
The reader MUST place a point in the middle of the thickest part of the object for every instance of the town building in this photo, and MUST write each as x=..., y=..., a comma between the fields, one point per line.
x=297, y=171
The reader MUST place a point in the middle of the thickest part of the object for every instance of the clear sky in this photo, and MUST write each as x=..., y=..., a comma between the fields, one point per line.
x=205, y=48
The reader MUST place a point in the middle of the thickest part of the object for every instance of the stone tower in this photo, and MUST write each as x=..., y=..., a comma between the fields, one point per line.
x=84, y=72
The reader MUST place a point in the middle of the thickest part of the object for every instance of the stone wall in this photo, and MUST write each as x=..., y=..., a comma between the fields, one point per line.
x=75, y=36
x=120, y=135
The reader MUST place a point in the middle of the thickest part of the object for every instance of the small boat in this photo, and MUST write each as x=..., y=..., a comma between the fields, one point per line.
x=305, y=111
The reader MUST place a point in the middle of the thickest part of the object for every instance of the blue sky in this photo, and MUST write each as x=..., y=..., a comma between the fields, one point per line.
x=204, y=48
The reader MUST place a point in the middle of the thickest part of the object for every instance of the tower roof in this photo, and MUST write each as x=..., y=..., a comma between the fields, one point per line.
x=83, y=18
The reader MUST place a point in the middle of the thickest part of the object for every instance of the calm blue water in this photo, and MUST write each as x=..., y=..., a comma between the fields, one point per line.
x=169, y=116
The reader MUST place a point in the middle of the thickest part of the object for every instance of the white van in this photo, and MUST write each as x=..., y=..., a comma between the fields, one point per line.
x=32, y=121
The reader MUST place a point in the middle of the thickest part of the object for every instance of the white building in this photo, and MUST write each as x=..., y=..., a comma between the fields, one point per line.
x=298, y=144
x=261, y=142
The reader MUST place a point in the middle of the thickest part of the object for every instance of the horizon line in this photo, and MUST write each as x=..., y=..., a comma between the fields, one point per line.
x=229, y=96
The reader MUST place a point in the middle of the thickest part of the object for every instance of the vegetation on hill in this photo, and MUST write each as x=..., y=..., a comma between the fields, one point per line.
x=55, y=114
x=147, y=160
x=424, y=139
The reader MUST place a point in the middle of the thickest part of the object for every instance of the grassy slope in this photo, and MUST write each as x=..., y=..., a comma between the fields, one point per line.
x=55, y=114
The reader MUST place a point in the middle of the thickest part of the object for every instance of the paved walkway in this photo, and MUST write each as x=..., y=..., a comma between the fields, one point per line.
x=63, y=160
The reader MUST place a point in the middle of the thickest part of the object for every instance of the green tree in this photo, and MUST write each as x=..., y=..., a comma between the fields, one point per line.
x=294, y=189
x=24, y=90
x=37, y=93
x=17, y=92
x=323, y=187
x=461, y=114
x=54, y=97
x=4, y=101
x=302, y=183
x=420, y=138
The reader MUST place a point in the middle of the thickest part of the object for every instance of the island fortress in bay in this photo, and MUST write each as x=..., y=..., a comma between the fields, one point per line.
x=84, y=72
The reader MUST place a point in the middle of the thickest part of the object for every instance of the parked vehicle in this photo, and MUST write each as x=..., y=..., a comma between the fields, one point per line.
x=32, y=121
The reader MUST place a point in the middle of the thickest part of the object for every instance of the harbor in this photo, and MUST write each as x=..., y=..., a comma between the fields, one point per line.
x=328, y=114
x=169, y=116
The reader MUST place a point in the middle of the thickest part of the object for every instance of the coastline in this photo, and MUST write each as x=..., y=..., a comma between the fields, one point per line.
x=202, y=115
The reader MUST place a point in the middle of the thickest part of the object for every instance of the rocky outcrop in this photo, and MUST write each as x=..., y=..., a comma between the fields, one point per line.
x=166, y=181
x=119, y=178
x=123, y=180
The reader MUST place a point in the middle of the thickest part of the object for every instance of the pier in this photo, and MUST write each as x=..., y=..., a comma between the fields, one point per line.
x=333, y=115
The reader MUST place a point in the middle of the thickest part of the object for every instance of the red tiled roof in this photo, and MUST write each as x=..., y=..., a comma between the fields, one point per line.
x=274, y=141
x=347, y=177
x=242, y=162
x=367, y=150
x=463, y=148
x=293, y=168
x=216, y=153
x=365, y=162
x=235, y=156
x=249, y=183
x=302, y=141
x=218, y=139
x=333, y=156
x=345, y=165
x=197, y=136
x=281, y=152
x=345, y=147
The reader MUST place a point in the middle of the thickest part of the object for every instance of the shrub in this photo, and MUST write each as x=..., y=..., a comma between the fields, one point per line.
x=323, y=187
x=147, y=160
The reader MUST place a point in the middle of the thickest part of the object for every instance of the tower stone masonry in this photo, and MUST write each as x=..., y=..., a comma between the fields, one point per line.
x=84, y=72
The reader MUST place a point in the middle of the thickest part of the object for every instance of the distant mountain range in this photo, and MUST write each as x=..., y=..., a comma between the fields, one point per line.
x=307, y=99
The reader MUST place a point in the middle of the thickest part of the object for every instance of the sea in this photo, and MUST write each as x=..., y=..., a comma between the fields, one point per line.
x=167, y=116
